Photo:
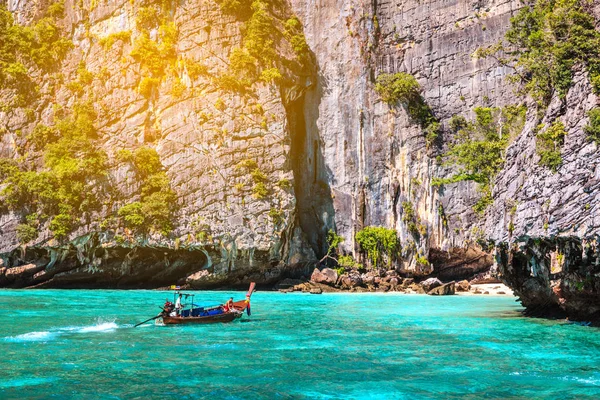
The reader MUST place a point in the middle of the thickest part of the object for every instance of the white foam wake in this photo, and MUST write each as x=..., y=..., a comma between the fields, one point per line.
x=100, y=327
x=44, y=336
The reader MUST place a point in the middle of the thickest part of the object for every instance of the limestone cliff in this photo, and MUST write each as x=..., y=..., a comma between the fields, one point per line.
x=162, y=77
x=376, y=159
x=344, y=159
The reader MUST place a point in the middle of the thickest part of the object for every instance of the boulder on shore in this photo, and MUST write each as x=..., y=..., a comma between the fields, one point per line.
x=415, y=287
x=327, y=276
x=350, y=281
x=368, y=279
x=316, y=291
x=443, y=290
x=431, y=283
x=463, y=286
x=406, y=282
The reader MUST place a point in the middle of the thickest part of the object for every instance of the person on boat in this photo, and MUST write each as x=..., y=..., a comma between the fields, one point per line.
x=178, y=304
x=169, y=309
x=229, y=305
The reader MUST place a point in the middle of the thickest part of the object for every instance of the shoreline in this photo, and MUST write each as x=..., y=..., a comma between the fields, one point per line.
x=492, y=289
x=478, y=290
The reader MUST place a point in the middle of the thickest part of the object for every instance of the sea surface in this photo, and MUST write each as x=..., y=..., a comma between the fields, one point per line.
x=80, y=344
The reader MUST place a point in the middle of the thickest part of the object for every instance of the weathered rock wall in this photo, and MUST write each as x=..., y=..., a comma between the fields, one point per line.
x=374, y=157
x=202, y=135
x=534, y=201
x=94, y=261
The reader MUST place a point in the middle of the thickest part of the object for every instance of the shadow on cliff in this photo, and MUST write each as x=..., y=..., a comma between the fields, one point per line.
x=88, y=263
x=314, y=202
x=554, y=277
x=460, y=263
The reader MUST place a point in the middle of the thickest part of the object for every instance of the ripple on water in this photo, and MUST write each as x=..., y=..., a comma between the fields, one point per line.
x=22, y=382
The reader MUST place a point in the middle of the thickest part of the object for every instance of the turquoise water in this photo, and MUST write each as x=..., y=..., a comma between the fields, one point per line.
x=80, y=344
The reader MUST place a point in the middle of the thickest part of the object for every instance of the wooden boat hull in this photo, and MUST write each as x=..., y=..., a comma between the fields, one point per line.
x=209, y=319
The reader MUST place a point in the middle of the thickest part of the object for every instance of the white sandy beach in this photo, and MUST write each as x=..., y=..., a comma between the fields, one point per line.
x=492, y=289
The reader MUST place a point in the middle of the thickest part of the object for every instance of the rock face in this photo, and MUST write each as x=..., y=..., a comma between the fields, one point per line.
x=554, y=277
x=226, y=154
x=375, y=159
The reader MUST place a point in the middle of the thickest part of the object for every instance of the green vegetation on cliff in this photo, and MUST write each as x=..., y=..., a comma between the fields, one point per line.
x=259, y=57
x=379, y=244
x=347, y=262
x=548, y=144
x=71, y=185
x=400, y=87
x=480, y=146
x=547, y=39
x=156, y=57
x=155, y=210
x=592, y=129
x=333, y=241
x=403, y=88
x=24, y=48
x=108, y=41
x=412, y=221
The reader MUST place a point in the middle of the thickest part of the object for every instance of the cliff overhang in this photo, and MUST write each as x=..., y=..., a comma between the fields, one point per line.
x=554, y=276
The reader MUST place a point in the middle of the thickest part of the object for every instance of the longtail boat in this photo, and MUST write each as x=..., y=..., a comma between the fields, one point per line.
x=204, y=315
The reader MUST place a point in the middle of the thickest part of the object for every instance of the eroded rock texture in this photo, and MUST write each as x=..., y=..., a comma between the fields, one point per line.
x=554, y=277
x=374, y=158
